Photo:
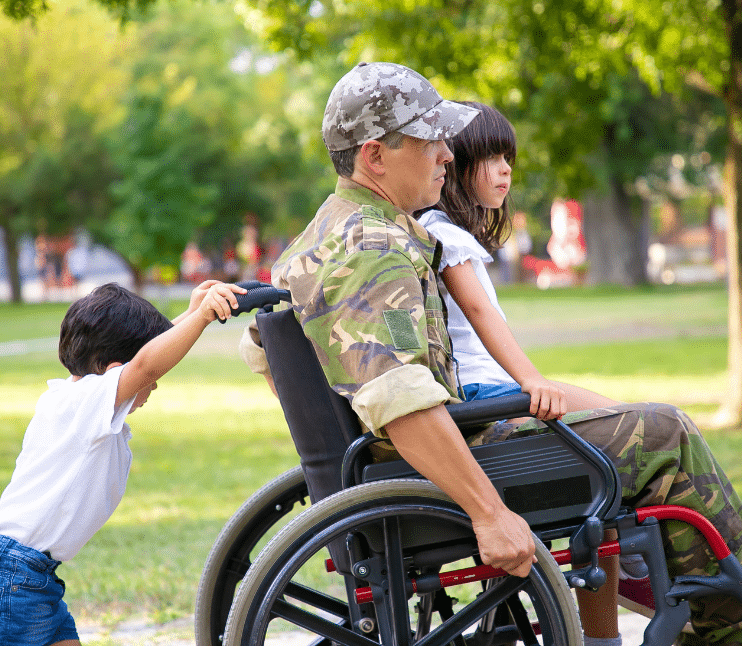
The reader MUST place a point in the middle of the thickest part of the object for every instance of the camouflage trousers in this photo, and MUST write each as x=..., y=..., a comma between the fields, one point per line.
x=662, y=458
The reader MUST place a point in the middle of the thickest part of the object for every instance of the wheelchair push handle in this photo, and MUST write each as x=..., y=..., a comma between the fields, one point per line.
x=258, y=295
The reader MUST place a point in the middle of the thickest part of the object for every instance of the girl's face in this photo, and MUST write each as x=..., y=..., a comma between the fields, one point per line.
x=492, y=182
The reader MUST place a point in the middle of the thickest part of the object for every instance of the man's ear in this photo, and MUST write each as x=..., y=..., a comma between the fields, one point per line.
x=373, y=159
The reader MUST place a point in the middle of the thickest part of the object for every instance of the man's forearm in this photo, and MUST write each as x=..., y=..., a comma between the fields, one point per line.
x=431, y=442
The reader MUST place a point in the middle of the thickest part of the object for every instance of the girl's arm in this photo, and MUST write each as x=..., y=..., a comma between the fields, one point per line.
x=547, y=400
x=163, y=353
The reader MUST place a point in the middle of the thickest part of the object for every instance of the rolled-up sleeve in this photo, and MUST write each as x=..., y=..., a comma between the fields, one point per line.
x=370, y=329
x=395, y=394
x=251, y=351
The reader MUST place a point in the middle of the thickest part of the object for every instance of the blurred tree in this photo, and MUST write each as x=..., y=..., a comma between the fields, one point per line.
x=593, y=116
x=169, y=129
x=163, y=194
x=248, y=106
x=58, y=92
x=700, y=44
x=580, y=68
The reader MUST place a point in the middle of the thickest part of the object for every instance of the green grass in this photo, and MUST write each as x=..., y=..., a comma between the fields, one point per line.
x=42, y=320
x=209, y=436
x=212, y=433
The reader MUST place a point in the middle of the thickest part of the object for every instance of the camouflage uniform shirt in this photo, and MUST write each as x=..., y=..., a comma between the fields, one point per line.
x=362, y=277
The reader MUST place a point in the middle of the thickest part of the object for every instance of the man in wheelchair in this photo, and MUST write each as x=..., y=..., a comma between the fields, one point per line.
x=362, y=278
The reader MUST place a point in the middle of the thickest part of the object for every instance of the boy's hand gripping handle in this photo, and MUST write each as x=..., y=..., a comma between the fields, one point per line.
x=258, y=295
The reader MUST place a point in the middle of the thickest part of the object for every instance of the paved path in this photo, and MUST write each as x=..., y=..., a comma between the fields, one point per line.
x=180, y=633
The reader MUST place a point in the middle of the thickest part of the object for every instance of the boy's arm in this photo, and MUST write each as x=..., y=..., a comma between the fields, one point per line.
x=197, y=296
x=163, y=353
x=547, y=400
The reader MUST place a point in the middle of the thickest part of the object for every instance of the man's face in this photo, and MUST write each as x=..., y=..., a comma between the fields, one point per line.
x=415, y=173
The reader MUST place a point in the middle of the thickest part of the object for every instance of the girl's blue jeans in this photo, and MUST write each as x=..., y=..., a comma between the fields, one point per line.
x=486, y=391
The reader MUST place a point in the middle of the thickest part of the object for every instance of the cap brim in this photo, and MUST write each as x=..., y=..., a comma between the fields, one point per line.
x=443, y=121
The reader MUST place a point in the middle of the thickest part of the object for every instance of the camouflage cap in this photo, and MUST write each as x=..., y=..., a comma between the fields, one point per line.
x=374, y=99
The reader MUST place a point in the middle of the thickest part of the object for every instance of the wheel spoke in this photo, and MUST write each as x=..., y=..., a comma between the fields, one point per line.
x=319, y=626
x=399, y=612
x=520, y=617
x=317, y=599
x=453, y=627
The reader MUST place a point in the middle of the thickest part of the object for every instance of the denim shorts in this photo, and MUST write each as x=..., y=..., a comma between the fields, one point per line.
x=486, y=391
x=32, y=612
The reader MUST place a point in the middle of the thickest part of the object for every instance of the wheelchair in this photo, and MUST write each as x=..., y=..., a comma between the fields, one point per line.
x=382, y=556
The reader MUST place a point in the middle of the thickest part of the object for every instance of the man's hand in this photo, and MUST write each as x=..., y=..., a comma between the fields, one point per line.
x=548, y=401
x=218, y=300
x=430, y=441
x=505, y=541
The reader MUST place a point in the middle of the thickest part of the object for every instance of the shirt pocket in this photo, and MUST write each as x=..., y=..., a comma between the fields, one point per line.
x=436, y=322
x=440, y=355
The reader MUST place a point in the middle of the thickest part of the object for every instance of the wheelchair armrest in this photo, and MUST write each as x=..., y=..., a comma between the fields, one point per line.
x=466, y=415
x=484, y=411
x=480, y=412
x=475, y=414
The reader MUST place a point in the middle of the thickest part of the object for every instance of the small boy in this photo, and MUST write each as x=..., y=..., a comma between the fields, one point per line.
x=74, y=463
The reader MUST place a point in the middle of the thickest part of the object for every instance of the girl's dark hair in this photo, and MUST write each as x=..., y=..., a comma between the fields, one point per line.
x=489, y=134
x=111, y=324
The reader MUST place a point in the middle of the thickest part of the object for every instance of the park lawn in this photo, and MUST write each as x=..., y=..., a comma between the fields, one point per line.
x=684, y=308
x=212, y=434
x=209, y=436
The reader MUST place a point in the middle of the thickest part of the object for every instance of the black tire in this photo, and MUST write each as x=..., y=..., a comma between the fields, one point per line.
x=278, y=578
x=245, y=533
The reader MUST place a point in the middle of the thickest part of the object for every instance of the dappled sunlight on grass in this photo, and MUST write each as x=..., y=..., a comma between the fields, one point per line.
x=198, y=399
x=213, y=433
x=681, y=390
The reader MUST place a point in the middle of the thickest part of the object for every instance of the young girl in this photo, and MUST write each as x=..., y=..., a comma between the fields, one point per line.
x=471, y=221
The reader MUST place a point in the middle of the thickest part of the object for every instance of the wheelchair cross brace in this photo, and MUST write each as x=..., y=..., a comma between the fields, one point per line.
x=674, y=611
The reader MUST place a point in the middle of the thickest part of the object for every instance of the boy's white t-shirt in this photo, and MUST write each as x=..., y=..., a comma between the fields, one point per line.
x=476, y=365
x=71, y=473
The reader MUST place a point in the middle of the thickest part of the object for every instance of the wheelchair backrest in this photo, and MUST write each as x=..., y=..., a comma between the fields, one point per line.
x=321, y=422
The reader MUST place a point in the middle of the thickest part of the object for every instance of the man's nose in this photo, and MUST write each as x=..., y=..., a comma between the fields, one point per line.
x=445, y=152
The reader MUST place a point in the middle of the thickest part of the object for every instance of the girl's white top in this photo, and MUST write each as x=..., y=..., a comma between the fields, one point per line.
x=71, y=473
x=476, y=365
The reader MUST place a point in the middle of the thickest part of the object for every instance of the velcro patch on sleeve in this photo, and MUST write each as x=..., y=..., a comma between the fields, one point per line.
x=402, y=329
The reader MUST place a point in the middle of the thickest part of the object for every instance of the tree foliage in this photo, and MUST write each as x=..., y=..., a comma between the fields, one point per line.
x=583, y=80
x=58, y=92
x=151, y=134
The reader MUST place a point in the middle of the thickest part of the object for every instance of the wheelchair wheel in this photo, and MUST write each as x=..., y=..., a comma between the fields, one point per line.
x=393, y=531
x=239, y=541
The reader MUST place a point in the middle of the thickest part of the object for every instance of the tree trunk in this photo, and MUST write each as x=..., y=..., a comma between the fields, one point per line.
x=730, y=412
x=11, y=255
x=615, y=226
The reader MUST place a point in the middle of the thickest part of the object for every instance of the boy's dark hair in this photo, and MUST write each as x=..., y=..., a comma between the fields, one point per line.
x=489, y=134
x=111, y=324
